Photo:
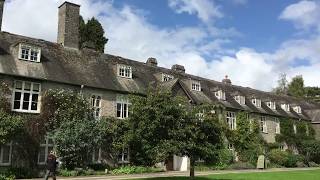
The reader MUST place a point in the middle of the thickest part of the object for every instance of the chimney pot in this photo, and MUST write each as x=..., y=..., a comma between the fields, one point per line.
x=178, y=68
x=68, y=26
x=1, y=13
x=226, y=80
x=152, y=62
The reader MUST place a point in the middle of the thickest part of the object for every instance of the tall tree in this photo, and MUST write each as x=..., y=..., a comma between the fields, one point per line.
x=92, y=33
x=282, y=88
x=296, y=87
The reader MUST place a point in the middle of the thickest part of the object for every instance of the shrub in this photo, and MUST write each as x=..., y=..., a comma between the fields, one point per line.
x=225, y=156
x=5, y=177
x=285, y=158
x=313, y=164
x=242, y=165
x=135, y=170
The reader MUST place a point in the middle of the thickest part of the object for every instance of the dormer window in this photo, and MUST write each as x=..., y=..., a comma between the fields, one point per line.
x=285, y=107
x=297, y=109
x=166, y=77
x=29, y=53
x=256, y=102
x=125, y=71
x=196, y=86
x=240, y=99
x=271, y=105
x=221, y=95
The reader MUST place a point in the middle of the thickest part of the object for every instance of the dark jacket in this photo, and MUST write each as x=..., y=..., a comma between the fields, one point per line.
x=51, y=162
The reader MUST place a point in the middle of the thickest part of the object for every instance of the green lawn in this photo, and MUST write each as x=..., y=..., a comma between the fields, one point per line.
x=291, y=175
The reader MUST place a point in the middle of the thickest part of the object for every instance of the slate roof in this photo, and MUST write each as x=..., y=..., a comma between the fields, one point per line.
x=97, y=70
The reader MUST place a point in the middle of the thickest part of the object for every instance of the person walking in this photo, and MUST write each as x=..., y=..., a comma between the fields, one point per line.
x=51, y=166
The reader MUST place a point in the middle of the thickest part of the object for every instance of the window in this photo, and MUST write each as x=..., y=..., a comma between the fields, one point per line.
x=271, y=105
x=297, y=109
x=256, y=102
x=285, y=107
x=26, y=97
x=96, y=106
x=221, y=95
x=5, y=154
x=240, y=99
x=294, y=128
x=231, y=120
x=263, y=125
x=29, y=53
x=122, y=107
x=166, y=77
x=45, y=147
x=277, y=130
x=123, y=157
x=195, y=85
x=125, y=71
x=281, y=147
x=96, y=155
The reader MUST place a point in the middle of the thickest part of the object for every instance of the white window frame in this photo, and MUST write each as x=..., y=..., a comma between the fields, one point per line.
x=47, y=146
x=123, y=160
x=196, y=86
x=277, y=129
x=230, y=147
x=281, y=147
x=285, y=107
x=96, y=106
x=221, y=95
x=297, y=109
x=23, y=92
x=294, y=128
x=30, y=50
x=2, y=154
x=240, y=99
x=124, y=71
x=256, y=102
x=271, y=105
x=167, y=77
x=263, y=124
x=231, y=120
x=123, y=103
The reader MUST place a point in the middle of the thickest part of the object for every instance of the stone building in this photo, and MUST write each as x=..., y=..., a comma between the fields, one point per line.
x=31, y=66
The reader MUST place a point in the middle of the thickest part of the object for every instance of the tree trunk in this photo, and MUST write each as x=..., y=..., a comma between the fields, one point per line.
x=192, y=163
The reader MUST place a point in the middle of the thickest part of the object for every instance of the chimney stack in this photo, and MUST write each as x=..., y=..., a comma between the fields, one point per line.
x=152, y=62
x=1, y=13
x=226, y=80
x=178, y=68
x=68, y=25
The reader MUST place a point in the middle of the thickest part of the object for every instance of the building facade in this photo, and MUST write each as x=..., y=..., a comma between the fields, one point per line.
x=32, y=66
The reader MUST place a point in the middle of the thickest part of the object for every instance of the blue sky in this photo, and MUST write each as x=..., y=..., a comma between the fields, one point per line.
x=252, y=41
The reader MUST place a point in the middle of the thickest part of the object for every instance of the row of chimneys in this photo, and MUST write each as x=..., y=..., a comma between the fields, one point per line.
x=68, y=32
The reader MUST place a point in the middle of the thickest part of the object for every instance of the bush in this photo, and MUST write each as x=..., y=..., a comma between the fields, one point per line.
x=241, y=165
x=79, y=172
x=5, y=177
x=135, y=170
x=225, y=156
x=285, y=158
x=313, y=164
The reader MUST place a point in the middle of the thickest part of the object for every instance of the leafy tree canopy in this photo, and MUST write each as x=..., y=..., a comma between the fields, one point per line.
x=296, y=87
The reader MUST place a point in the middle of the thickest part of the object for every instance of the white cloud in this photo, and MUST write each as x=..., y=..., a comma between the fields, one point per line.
x=206, y=10
x=304, y=14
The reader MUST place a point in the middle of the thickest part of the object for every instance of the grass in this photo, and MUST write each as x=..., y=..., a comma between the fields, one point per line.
x=290, y=175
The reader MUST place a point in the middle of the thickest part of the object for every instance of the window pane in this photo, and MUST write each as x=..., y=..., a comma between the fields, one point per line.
x=34, y=106
x=36, y=87
x=27, y=86
x=17, y=96
x=42, y=155
x=6, y=154
x=118, y=110
x=18, y=85
x=25, y=105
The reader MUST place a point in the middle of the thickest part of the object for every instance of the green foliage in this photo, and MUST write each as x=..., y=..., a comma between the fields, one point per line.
x=312, y=93
x=247, y=139
x=4, y=177
x=135, y=170
x=311, y=150
x=282, y=88
x=242, y=165
x=73, y=128
x=284, y=158
x=11, y=125
x=296, y=87
x=92, y=32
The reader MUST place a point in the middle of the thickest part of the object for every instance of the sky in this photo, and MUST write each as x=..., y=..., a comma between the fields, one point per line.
x=250, y=41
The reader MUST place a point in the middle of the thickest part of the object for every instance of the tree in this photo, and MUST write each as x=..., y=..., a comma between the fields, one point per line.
x=312, y=93
x=162, y=126
x=92, y=32
x=296, y=87
x=282, y=88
